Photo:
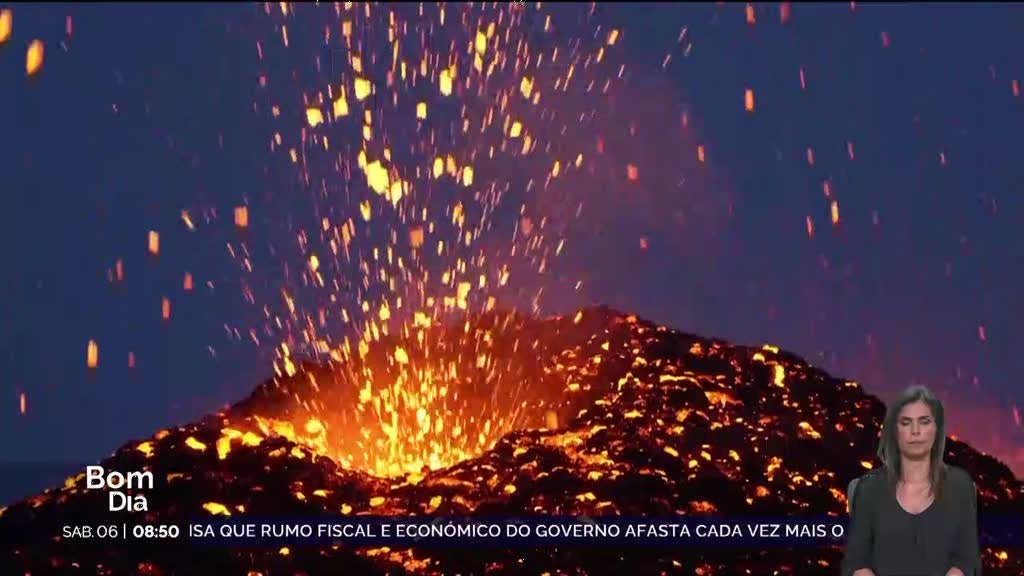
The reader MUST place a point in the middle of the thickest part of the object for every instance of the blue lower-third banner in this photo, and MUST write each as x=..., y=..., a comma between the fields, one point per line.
x=528, y=531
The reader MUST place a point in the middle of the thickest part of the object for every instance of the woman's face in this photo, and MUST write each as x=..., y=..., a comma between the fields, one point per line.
x=916, y=430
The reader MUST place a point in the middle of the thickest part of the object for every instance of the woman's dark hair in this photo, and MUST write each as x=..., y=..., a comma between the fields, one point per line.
x=889, y=446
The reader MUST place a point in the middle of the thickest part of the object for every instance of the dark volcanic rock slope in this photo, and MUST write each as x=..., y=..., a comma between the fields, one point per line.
x=652, y=422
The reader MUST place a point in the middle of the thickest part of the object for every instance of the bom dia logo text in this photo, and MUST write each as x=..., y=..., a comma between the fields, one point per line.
x=125, y=490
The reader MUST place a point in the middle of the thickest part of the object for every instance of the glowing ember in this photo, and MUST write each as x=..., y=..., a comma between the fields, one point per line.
x=362, y=88
x=6, y=23
x=446, y=82
x=340, y=107
x=314, y=117
x=784, y=12
x=92, y=354
x=34, y=57
x=242, y=216
x=216, y=508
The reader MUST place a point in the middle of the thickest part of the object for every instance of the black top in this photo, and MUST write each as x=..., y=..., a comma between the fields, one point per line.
x=893, y=542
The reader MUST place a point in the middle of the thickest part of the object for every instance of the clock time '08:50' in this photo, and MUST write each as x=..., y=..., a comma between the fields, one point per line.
x=155, y=531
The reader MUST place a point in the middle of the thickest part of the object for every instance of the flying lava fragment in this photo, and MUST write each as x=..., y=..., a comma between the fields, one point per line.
x=446, y=82
x=92, y=354
x=34, y=58
x=6, y=21
x=363, y=88
x=314, y=117
x=242, y=216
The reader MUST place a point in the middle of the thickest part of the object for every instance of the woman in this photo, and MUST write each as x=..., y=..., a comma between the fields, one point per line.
x=917, y=515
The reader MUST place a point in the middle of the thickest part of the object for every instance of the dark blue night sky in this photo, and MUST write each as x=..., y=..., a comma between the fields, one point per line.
x=148, y=109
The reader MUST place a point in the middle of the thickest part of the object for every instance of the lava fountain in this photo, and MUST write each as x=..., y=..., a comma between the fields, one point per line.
x=424, y=399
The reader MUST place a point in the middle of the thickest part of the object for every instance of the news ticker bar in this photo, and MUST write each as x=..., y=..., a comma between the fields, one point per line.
x=512, y=532
x=527, y=531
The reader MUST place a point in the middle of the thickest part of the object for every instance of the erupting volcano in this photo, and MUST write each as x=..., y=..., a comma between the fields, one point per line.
x=593, y=413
